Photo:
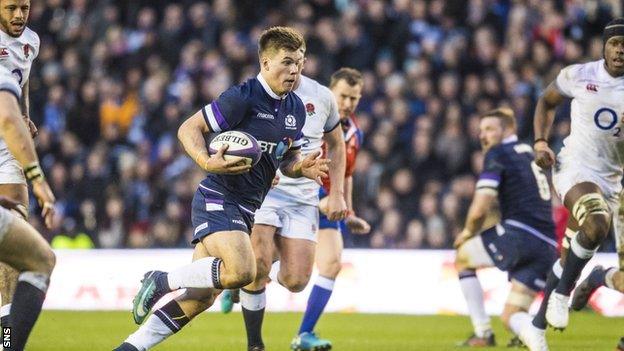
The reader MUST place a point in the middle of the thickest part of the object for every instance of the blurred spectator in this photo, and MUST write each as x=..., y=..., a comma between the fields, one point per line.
x=114, y=80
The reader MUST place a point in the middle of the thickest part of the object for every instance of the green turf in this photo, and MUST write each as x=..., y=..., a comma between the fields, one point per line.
x=93, y=331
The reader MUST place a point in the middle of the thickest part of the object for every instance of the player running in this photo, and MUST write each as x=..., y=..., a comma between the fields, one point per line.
x=523, y=243
x=20, y=47
x=588, y=169
x=346, y=85
x=225, y=202
x=21, y=246
x=291, y=211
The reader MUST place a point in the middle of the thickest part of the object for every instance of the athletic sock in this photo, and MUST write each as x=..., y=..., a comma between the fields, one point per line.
x=163, y=323
x=473, y=293
x=578, y=256
x=5, y=315
x=518, y=320
x=539, y=321
x=321, y=292
x=203, y=273
x=26, y=307
x=253, y=303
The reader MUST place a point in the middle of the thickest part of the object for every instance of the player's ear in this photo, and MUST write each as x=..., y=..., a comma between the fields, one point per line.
x=265, y=62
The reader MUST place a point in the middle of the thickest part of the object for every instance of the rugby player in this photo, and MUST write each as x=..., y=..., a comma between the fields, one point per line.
x=346, y=85
x=21, y=246
x=589, y=167
x=225, y=202
x=20, y=47
x=523, y=243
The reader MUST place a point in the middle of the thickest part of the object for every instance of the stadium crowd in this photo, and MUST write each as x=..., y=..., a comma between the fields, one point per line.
x=114, y=79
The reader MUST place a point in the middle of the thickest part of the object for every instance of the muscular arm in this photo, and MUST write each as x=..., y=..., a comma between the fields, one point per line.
x=14, y=131
x=479, y=208
x=191, y=136
x=348, y=190
x=337, y=154
x=545, y=111
x=25, y=101
x=291, y=164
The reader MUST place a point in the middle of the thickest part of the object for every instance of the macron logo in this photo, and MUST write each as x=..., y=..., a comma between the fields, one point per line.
x=262, y=115
x=592, y=87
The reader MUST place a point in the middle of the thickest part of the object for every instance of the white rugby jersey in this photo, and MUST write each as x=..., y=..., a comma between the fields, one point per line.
x=16, y=57
x=321, y=117
x=18, y=54
x=596, y=137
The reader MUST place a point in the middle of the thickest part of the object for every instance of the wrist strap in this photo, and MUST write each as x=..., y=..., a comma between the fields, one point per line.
x=33, y=172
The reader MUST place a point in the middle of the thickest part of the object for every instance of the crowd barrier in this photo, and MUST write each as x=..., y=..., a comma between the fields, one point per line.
x=371, y=281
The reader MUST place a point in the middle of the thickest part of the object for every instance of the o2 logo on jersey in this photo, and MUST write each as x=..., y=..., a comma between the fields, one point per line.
x=605, y=119
x=18, y=74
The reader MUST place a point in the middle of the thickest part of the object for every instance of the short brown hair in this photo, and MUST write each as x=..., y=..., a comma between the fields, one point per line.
x=276, y=38
x=350, y=75
x=504, y=114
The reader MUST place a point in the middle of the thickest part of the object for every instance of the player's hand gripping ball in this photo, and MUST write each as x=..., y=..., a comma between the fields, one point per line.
x=241, y=146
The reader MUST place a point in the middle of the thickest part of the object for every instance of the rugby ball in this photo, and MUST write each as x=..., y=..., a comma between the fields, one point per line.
x=242, y=146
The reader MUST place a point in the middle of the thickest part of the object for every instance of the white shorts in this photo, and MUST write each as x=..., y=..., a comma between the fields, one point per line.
x=6, y=218
x=295, y=221
x=570, y=172
x=10, y=170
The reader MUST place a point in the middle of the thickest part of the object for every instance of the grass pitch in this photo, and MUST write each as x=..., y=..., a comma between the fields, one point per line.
x=93, y=331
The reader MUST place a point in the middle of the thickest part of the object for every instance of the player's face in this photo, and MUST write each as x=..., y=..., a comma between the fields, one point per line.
x=347, y=97
x=13, y=16
x=491, y=132
x=614, y=55
x=282, y=70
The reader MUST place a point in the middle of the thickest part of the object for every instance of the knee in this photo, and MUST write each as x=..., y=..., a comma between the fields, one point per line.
x=294, y=283
x=596, y=227
x=48, y=261
x=263, y=267
x=331, y=268
x=238, y=276
x=461, y=260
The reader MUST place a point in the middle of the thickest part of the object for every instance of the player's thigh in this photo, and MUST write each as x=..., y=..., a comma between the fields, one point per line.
x=16, y=192
x=472, y=254
x=329, y=252
x=233, y=247
x=263, y=244
x=22, y=247
x=297, y=261
x=519, y=299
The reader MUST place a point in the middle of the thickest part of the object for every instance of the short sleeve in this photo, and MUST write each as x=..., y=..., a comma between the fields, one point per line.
x=492, y=174
x=37, y=45
x=298, y=142
x=228, y=110
x=334, y=116
x=566, y=80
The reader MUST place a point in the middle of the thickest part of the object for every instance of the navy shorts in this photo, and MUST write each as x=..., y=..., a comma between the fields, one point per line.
x=324, y=222
x=523, y=256
x=214, y=209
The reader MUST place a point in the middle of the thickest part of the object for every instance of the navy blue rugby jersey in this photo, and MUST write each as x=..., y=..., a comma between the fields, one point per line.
x=522, y=188
x=276, y=123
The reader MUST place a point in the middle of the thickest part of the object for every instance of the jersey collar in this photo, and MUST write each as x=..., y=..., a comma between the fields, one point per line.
x=268, y=89
x=510, y=139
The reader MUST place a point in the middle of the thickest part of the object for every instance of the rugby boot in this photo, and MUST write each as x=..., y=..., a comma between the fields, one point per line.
x=309, y=342
x=533, y=337
x=557, y=314
x=488, y=340
x=228, y=298
x=587, y=287
x=147, y=296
